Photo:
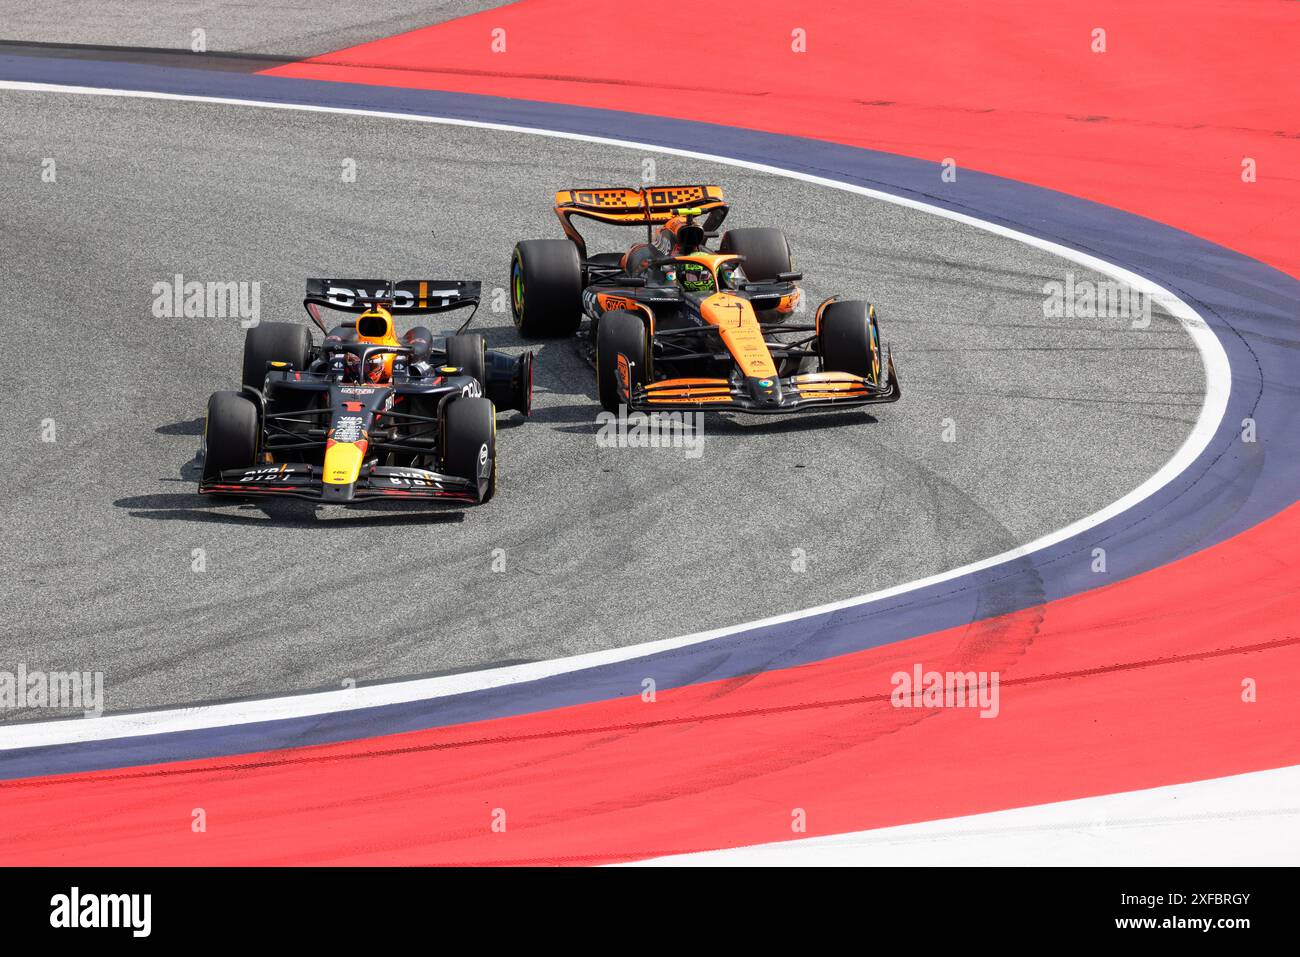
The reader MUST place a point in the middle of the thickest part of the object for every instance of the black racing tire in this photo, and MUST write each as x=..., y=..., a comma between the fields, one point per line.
x=509, y=381
x=230, y=434
x=469, y=443
x=766, y=251
x=848, y=339
x=468, y=352
x=620, y=331
x=274, y=342
x=546, y=288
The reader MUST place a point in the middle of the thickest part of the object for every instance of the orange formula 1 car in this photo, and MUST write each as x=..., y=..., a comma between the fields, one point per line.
x=675, y=324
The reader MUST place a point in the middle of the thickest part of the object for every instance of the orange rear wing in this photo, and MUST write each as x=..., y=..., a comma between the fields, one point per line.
x=653, y=205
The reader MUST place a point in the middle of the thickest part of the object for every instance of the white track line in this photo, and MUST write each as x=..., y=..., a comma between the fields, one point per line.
x=1218, y=378
x=1246, y=819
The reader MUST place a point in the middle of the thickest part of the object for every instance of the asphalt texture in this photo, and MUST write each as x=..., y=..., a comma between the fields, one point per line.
x=113, y=563
x=289, y=28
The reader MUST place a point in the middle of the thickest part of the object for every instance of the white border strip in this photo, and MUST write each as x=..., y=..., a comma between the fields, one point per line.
x=1218, y=379
x=1250, y=819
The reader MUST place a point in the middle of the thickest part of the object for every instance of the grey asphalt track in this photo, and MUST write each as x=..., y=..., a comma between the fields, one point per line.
x=291, y=28
x=1053, y=418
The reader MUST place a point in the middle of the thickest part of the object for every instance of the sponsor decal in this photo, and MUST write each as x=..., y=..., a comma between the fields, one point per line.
x=411, y=478
x=407, y=481
x=675, y=195
x=400, y=298
x=611, y=303
x=347, y=428
x=272, y=473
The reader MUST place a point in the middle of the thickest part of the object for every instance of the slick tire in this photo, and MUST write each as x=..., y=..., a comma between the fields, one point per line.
x=230, y=434
x=620, y=332
x=274, y=342
x=546, y=288
x=469, y=443
x=849, y=340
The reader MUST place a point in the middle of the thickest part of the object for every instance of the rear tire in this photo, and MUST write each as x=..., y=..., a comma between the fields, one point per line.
x=510, y=382
x=546, y=288
x=274, y=342
x=469, y=443
x=468, y=352
x=765, y=248
x=617, y=332
x=230, y=434
x=849, y=339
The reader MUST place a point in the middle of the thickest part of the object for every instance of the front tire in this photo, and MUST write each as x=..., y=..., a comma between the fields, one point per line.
x=230, y=434
x=546, y=288
x=469, y=443
x=620, y=332
x=849, y=339
x=274, y=342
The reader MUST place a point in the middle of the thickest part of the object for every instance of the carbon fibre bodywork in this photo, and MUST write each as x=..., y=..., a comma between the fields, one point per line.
x=722, y=328
x=363, y=415
x=328, y=447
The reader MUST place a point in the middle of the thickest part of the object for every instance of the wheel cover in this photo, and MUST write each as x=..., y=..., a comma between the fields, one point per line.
x=517, y=285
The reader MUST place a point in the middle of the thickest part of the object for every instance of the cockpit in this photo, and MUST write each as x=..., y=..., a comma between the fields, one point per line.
x=700, y=278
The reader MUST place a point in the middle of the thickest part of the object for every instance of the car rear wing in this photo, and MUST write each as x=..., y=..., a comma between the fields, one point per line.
x=650, y=206
x=411, y=297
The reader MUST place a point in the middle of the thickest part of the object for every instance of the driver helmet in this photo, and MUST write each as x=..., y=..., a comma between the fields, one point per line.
x=379, y=367
x=696, y=277
x=731, y=274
